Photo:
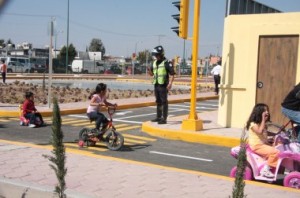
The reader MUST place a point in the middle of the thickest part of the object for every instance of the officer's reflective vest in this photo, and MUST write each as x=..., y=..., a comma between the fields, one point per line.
x=159, y=73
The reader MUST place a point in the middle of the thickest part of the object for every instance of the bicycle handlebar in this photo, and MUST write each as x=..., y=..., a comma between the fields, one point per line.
x=111, y=110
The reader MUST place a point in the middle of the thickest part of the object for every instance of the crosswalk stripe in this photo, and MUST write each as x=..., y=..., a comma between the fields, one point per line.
x=128, y=144
x=127, y=128
x=89, y=126
x=82, y=124
x=3, y=120
x=66, y=119
x=139, y=137
x=120, y=125
x=73, y=121
x=134, y=141
x=14, y=118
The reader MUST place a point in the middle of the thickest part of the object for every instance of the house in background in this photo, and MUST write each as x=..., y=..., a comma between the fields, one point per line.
x=260, y=64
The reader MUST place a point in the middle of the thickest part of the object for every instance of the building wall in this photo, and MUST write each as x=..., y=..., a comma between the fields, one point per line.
x=240, y=61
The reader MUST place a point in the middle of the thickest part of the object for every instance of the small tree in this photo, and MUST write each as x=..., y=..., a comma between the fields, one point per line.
x=59, y=158
x=96, y=45
x=71, y=54
x=144, y=56
x=239, y=183
x=2, y=43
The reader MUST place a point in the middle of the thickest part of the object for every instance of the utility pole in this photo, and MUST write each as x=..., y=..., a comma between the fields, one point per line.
x=50, y=65
x=67, y=47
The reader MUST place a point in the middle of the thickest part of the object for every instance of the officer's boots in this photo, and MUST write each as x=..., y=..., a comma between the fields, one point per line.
x=158, y=114
x=165, y=115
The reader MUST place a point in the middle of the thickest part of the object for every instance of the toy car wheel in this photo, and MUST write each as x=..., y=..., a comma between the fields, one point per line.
x=247, y=174
x=292, y=180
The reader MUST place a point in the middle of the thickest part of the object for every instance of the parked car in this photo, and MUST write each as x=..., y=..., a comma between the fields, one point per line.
x=39, y=68
x=112, y=69
x=17, y=67
x=40, y=65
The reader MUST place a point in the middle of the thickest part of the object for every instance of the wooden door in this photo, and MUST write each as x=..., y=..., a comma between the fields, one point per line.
x=277, y=66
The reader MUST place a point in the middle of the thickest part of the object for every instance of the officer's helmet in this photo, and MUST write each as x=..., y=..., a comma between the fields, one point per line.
x=159, y=50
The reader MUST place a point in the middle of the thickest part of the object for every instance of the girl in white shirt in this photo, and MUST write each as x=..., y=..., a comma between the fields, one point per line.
x=98, y=99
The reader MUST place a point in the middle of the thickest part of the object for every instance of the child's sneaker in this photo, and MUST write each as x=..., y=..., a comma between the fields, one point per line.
x=266, y=173
x=31, y=125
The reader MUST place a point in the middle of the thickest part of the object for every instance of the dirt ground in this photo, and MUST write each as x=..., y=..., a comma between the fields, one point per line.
x=13, y=93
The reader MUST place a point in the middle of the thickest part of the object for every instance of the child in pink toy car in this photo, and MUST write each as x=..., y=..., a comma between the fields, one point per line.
x=258, y=141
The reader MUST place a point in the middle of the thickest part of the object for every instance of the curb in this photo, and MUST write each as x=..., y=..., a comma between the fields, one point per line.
x=190, y=136
x=48, y=113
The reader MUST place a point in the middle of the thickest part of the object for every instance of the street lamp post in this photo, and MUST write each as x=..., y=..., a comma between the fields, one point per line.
x=67, y=47
x=50, y=65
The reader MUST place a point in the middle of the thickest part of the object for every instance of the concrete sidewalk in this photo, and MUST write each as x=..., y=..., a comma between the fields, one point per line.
x=24, y=172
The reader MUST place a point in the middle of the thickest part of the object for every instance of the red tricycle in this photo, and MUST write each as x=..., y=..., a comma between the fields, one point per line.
x=25, y=121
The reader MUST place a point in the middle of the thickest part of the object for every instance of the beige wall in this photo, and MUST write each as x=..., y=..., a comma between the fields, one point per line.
x=240, y=59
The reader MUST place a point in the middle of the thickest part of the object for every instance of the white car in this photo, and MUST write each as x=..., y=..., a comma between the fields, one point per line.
x=17, y=67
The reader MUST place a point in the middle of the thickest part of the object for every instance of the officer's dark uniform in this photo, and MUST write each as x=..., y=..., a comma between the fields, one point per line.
x=161, y=70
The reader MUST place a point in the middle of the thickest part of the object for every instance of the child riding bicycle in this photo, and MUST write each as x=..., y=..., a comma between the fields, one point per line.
x=98, y=99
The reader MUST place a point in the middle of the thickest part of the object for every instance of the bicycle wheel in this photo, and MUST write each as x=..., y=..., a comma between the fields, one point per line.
x=84, y=137
x=114, y=141
x=83, y=134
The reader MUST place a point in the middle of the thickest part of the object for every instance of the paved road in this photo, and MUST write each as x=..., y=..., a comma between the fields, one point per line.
x=138, y=145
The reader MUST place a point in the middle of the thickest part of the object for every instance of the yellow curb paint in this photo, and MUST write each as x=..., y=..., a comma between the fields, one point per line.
x=196, y=137
x=88, y=154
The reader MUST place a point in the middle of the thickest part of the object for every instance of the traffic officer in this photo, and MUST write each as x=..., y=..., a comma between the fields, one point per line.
x=163, y=75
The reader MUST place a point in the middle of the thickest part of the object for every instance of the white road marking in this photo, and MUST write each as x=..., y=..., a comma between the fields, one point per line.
x=175, y=105
x=180, y=156
x=123, y=112
x=135, y=116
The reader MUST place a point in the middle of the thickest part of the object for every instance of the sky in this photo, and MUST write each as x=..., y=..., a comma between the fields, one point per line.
x=124, y=26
